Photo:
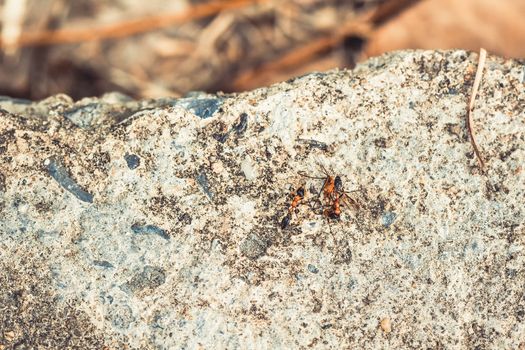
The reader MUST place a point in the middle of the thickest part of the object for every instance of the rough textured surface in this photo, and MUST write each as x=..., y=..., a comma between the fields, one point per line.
x=156, y=224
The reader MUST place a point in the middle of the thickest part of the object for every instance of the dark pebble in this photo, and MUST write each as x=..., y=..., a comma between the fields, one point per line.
x=204, y=108
x=151, y=277
x=103, y=263
x=314, y=144
x=520, y=314
x=149, y=230
x=221, y=137
x=202, y=180
x=243, y=124
x=253, y=246
x=84, y=116
x=60, y=174
x=132, y=160
x=388, y=218
x=312, y=268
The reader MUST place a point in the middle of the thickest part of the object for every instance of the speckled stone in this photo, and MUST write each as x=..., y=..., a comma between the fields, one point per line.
x=181, y=247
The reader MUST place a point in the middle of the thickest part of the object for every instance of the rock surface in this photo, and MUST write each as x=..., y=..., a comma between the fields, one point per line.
x=156, y=224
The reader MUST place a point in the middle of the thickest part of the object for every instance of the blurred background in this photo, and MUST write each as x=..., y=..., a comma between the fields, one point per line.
x=160, y=48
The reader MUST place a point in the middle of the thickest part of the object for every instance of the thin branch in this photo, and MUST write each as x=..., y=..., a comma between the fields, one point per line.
x=475, y=88
x=390, y=9
x=363, y=26
x=301, y=54
x=131, y=27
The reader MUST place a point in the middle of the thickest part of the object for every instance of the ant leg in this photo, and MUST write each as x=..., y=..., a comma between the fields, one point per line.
x=349, y=201
x=302, y=173
x=323, y=169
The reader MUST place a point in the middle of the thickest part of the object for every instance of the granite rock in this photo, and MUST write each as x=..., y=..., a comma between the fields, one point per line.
x=157, y=224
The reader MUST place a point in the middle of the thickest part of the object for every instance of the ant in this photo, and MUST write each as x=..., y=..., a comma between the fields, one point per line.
x=333, y=194
x=334, y=212
x=330, y=184
x=297, y=197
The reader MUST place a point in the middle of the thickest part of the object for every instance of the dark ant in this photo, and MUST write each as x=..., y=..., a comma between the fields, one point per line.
x=297, y=197
x=338, y=184
x=286, y=221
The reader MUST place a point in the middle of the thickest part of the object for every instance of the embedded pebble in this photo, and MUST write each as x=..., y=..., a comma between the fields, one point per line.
x=312, y=268
x=202, y=107
x=132, y=160
x=60, y=174
x=103, y=263
x=149, y=230
x=202, y=180
x=151, y=277
x=253, y=246
x=388, y=219
x=243, y=124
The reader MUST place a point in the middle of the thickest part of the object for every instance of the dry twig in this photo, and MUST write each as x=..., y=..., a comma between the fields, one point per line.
x=475, y=88
x=128, y=28
x=302, y=54
x=363, y=26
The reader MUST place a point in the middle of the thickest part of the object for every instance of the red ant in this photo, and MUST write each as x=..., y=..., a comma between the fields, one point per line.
x=334, y=212
x=297, y=197
x=330, y=184
x=333, y=194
